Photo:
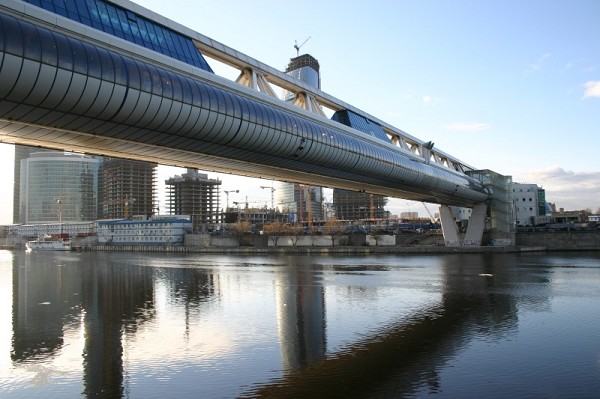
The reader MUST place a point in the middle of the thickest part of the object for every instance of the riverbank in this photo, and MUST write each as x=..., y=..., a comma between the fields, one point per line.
x=343, y=250
x=525, y=242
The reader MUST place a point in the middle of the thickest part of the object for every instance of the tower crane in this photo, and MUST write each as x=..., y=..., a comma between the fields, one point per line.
x=272, y=197
x=297, y=47
x=429, y=213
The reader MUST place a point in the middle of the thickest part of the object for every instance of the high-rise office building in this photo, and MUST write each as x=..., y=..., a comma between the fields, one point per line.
x=196, y=195
x=128, y=188
x=302, y=203
x=57, y=186
x=21, y=152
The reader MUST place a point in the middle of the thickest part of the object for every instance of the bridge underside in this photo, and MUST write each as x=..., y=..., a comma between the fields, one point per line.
x=18, y=133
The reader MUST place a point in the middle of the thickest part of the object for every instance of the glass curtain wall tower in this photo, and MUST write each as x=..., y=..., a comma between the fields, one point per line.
x=58, y=187
x=302, y=203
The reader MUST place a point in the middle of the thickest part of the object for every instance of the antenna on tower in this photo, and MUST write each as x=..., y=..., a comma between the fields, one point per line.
x=298, y=47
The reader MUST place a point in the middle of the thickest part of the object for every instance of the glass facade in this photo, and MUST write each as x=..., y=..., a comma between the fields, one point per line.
x=58, y=187
x=117, y=21
x=361, y=123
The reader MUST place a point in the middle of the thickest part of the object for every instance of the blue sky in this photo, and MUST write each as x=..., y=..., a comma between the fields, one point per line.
x=512, y=86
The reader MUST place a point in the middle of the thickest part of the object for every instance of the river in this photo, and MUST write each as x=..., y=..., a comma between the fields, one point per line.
x=146, y=325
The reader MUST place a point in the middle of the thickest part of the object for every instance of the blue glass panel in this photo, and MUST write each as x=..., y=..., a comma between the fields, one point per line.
x=360, y=123
x=115, y=20
x=124, y=22
x=82, y=10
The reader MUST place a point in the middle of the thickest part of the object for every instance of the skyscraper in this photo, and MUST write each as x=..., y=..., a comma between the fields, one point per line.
x=196, y=195
x=128, y=188
x=301, y=202
x=57, y=186
x=21, y=152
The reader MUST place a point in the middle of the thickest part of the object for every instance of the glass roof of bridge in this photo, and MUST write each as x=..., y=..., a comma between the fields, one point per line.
x=127, y=25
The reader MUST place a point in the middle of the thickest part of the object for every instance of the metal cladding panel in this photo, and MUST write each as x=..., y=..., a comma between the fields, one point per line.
x=76, y=88
x=60, y=85
x=26, y=81
x=221, y=126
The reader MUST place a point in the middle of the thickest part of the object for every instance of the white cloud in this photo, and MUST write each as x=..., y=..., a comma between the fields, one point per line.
x=431, y=100
x=592, y=89
x=467, y=126
x=568, y=189
x=538, y=64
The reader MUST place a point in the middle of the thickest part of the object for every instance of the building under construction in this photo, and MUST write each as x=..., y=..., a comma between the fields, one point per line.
x=354, y=205
x=196, y=195
x=128, y=188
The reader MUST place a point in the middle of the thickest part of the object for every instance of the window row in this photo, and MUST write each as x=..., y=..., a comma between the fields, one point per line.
x=117, y=21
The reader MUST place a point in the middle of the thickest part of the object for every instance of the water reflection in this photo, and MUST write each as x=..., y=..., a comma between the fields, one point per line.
x=294, y=326
x=300, y=314
x=405, y=356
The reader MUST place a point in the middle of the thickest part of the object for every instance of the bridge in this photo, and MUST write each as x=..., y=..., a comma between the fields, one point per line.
x=112, y=78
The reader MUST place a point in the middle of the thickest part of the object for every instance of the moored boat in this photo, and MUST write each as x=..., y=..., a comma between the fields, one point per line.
x=49, y=243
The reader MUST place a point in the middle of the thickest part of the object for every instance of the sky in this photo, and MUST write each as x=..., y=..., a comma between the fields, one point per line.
x=511, y=86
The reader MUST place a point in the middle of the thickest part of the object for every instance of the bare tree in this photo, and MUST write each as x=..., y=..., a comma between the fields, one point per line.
x=239, y=229
x=275, y=230
x=334, y=228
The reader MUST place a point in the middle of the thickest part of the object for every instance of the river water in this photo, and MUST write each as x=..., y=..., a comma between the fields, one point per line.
x=133, y=325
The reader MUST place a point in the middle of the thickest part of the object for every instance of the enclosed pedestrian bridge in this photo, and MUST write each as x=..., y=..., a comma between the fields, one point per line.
x=113, y=78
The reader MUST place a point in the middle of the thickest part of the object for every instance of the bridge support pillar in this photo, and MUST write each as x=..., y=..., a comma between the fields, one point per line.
x=449, y=228
x=475, y=228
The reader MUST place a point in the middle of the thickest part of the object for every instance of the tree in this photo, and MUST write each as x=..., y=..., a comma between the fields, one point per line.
x=275, y=230
x=239, y=229
x=334, y=228
x=295, y=231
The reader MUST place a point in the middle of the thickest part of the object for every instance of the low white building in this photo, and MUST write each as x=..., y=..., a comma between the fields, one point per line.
x=529, y=203
x=73, y=229
x=161, y=230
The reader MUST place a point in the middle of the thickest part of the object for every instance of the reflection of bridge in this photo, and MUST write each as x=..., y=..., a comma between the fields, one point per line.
x=112, y=301
x=134, y=88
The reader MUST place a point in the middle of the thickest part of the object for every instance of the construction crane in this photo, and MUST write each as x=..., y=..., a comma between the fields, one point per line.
x=227, y=196
x=297, y=47
x=429, y=213
x=272, y=196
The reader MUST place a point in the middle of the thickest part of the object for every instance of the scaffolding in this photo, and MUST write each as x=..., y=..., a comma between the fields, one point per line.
x=354, y=205
x=196, y=195
x=128, y=188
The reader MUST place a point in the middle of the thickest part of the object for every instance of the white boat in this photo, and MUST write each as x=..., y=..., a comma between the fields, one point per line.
x=49, y=243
